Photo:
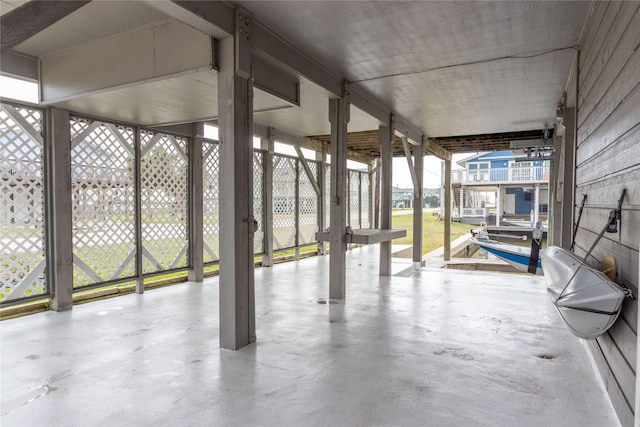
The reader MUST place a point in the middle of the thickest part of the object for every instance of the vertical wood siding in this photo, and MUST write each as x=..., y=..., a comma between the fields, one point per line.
x=608, y=160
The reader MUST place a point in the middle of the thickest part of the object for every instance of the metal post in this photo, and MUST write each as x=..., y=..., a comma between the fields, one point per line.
x=568, y=174
x=386, y=157
x=376, y=203
x=267, y=226
x=442, y=187
x=296, y=213
x=359, y=200
x=138, y=212
x=447, y=210
x=498, y=205
x=536, y=204
x=348, y=198
x=196, y=190
x=58, y=210
x=237, y=224
x=371, y=204
x=339, y=117
x=322, y=158
x=418, y=165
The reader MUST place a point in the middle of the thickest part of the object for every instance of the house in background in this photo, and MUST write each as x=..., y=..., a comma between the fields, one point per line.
x=520, y=187
x=402, y=198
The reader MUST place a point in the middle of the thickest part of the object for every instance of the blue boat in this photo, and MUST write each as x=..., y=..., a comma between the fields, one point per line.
x=517, y=256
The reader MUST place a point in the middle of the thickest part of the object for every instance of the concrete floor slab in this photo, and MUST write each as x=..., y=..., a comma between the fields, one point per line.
x=439, y=347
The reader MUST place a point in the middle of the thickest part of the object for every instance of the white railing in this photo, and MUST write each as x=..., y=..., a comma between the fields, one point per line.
x=475, y=212
x=495, y=175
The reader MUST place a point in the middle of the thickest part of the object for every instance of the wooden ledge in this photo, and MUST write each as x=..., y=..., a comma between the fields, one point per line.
x=365, y=236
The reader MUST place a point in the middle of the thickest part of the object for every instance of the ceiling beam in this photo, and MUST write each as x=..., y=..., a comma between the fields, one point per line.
x=215, y=18
x=309, y=143
x=19, y=65
x=25, y=21
x=431, y=147
x=276, y=82
x=409, y=130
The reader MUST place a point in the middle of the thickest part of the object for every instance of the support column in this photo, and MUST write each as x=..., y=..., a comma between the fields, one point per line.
x=138, y=214
x=267, y=145
x=536, y=204
x=235, y=109
x=447, y=210
x=370, y=208
x=322, y=171
x=376, y=202
x=196, y=189
x=568, y=174
x=498, y=205
x=418, y=165
x=58, y=205
x=339, y=117
x=386, y=159
x=461, y=200
x=442, y=188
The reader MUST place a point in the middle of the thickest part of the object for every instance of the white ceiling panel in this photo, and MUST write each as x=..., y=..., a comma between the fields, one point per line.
x=182, y=99
x=450, y=68
x=7, y=6
x=93, y=21
x=444, y=61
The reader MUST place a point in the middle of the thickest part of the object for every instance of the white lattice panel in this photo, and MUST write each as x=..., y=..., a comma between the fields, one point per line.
x=354, y=199
x=211, y=200
x=22, y=254
x=103, y=201
x=164, y=201
x=258, y=201
x=327, y=196
x=307, y=205
x=284, y=202
x=365, y=200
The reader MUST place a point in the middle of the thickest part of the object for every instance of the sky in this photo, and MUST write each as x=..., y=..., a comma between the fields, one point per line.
x=28, y=91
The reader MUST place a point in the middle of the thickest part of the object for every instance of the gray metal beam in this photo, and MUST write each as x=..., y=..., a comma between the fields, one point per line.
x=267, y=227
x=407, y=154
x=18, y=65
x=339, y=117
x=276, y=82
x=27, y=20
x=407, y=129
x=418, y=154
x=447, y=210
x=58, y=208
x=369, y=105
x=268, y=42
x=196, y=190
x=307, y=170
x=386, y=158
x=215, y=18
x=437, y=150
x=235, y=105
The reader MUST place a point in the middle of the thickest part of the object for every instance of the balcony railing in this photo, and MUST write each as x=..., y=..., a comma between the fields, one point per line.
x=501, y=175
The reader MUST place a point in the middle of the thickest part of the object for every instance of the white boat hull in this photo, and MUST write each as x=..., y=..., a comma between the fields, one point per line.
x=588, y=302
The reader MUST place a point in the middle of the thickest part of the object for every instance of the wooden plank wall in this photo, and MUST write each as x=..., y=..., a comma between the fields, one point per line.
x=608, y=160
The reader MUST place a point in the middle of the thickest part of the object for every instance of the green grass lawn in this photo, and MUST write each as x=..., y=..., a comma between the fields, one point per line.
x=432, y=231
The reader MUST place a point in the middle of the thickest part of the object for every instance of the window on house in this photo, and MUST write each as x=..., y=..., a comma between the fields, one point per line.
x=479, y=172
x=521, y=171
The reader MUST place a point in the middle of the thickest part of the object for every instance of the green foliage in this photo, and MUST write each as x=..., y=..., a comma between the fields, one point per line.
x=432, y=231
